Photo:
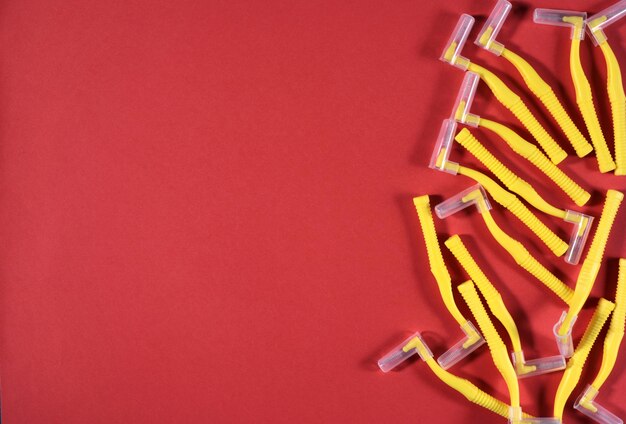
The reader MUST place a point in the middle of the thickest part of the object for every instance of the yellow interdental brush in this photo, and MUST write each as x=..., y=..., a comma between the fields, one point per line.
x=615, y=88
x=472, y=339
x=575, y=365
x=586, y=401
x=588, y=272
x=487, y=40
x=530, y=152
x=506, y=96
x=476, y=196
x=494, y=300
x=584, y=96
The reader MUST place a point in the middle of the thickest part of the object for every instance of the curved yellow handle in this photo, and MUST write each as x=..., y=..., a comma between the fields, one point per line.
x=497, y=347
x=512, y=181
x=544, y=93
x=535, y=156
x=489, y=292
x=593, y=260
x=463, y=386
x=575, y=365
x=527, y=261
x=615, y=89
x=584, y=98
x=435, y=259
x=615, y=334
x=516, y=105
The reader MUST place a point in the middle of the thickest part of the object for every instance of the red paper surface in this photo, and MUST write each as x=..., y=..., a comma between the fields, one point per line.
x=206, y=216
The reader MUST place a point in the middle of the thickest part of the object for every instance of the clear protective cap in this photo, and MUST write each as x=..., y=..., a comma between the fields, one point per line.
x=445, y=140
x=580, y=232
x=525, y=369
x=414, y=344
x=586, y=404
x=452, y=52
x=598, y=22
x=566, y=18
x=487, y=35
x=474, y=195
x=472, y=341
x=516, y=416
x=463, y=103
x=565, y=343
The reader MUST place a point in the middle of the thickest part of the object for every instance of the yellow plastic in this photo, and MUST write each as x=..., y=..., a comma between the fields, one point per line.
x=615, y=334
x=593, y=260
x=512, y=181
x=516, y=105
x=584, y=99
x=511, y=202
x=491, y=295
x=575, y=365
x=546, y=95
x=461, y=385
x=497, y=347
x=535, y=156
x=615, y=89
x=435, y=259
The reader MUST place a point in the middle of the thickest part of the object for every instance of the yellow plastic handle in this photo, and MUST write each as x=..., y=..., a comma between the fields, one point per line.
x=516, y=105
x=511, y=202
x=593, y=260
x=615, y=334
x=435, y=259
x=544, y=93
x=535, y=156
x=527, y=261
x=489, y=292
x=617, y=99
x=512, y=181
x=575, y=365
x=463, y=386
x=584, y=98
x=497, y=347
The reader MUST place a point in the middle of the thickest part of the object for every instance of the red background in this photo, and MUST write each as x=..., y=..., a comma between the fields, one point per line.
x=206, y=216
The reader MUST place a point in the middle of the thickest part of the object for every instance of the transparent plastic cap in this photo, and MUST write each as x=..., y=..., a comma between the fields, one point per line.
x=586, y=404
x=566, y=18
x=452, y=52
x=474, y=195
x=564, y=342
x=445, y=140
x=472, y=341
x=538, y=366
x=402, y=352
x=516, y=416
x=580, y=232
x=487, y=36
x=598, y=22
x=461, y=111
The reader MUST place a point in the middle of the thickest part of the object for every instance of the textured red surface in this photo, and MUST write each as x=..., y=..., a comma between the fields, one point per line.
x=205, y=210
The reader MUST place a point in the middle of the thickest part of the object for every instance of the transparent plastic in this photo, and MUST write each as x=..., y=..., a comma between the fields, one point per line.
x=538, y=366
x=445, y=140
x=516, y=416
x=586, y=404
x=474, y=195
x=461, y=111
x=404, y=351
x=487, y=35
x=472, y=341
x=580, y=232
x=452, y=52
x=564, y=342
x=598, y=22
x=555, y=17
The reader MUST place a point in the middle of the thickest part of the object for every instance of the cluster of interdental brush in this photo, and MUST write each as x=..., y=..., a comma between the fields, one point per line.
x=514, y=366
